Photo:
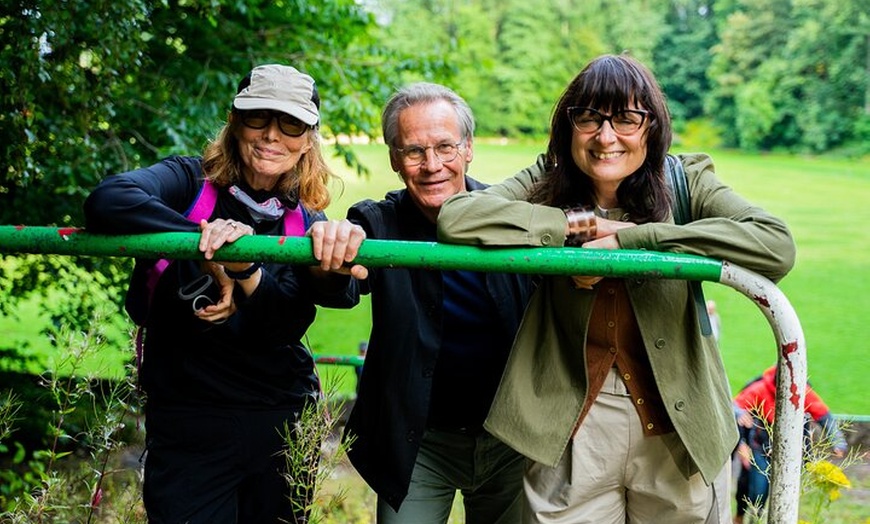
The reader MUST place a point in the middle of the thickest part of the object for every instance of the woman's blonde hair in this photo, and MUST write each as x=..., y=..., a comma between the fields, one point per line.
x=222, y=165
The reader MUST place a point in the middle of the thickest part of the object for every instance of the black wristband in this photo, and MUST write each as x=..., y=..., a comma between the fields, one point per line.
x=245, y=273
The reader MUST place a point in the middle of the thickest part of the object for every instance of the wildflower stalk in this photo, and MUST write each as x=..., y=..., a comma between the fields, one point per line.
x=310, y=458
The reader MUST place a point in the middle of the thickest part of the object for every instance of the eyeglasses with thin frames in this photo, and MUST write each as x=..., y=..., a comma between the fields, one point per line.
x=415, y=155
x=625, y=122
x=262, y=118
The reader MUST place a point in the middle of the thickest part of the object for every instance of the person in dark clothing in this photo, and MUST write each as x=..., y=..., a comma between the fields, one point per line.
x=439, y=339
x=223, y=368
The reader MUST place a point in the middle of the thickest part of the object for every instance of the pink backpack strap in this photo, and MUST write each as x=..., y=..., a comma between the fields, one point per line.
x=294, y=222
x=204, y=203
x=200, y=209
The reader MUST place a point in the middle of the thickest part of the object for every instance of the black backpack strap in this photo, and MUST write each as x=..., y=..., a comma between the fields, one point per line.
x=683, y=215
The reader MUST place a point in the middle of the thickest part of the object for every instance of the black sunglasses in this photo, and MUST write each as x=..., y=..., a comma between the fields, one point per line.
x=261, y=118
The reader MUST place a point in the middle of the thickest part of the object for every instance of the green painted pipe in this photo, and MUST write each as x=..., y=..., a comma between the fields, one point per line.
x=373, y=253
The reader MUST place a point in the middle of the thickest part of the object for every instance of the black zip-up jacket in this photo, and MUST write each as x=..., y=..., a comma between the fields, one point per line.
x=390, y=413
x=256, y=358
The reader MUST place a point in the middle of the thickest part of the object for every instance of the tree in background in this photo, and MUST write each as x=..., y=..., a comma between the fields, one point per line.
x=683, y=56
x=771, y=74
x=96, y=87
x=511, y=58
x=792, y=75
x=63, y=66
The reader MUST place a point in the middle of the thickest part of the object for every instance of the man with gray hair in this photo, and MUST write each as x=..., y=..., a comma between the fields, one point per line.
x=439, y=339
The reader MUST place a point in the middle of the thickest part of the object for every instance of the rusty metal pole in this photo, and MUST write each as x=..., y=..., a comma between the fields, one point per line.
x=791, y=349
x=791, y=382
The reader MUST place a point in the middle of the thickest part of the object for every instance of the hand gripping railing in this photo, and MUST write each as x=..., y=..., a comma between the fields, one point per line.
x=791, y=353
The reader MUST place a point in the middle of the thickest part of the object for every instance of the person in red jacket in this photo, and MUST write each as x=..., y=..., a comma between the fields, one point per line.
x=754, y=407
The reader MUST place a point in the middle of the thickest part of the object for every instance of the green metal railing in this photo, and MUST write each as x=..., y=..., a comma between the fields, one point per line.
x=791, y=350
x=374, y=253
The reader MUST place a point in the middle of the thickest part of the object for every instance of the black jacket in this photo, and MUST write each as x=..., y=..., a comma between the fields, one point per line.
x=390, y=413
x=256, y=358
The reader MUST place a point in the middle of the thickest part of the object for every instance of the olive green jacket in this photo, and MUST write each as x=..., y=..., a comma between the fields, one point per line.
x=544, y=385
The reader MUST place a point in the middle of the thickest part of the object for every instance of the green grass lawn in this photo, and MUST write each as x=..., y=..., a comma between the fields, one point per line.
x=824, y=201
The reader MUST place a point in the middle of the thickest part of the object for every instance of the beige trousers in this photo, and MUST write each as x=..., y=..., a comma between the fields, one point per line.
x=612, y=474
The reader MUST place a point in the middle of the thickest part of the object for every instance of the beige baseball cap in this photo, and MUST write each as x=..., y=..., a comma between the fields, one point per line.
x=280, y=88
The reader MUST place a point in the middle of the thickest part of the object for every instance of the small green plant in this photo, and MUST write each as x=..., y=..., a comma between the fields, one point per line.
x=10, y=405
x=313, y=451
x=67, y=480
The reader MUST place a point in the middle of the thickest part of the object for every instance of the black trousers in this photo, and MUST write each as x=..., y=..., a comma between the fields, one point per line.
x=216, y=466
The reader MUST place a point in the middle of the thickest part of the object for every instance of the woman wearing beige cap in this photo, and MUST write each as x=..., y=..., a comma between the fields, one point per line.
x=223, y=365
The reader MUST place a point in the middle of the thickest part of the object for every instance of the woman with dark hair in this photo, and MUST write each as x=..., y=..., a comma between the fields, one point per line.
x=612, y=391
x=616, y=83
x=223, y=365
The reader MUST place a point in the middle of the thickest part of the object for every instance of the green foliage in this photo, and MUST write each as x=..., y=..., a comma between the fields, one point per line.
x=511, y=60
x=683, y=56
x=755, y=113
x=762, y=69
x=70, y=290
x=43, y=480
x=776, y=83
x=698, y=135
x=859, y=145
x=58, y=81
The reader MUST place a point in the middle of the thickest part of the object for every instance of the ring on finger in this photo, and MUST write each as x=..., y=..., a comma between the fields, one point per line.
x=233, y=225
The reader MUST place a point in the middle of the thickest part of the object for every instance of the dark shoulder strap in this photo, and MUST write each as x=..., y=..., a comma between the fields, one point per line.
x=682, y=210
x=677, y=178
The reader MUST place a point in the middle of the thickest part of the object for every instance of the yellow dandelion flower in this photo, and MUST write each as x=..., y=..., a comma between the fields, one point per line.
x=828, y=473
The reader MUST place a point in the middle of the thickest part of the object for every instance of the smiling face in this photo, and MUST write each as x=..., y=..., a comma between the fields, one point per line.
x=268, y=153
x=608, y=158
x=432, y=181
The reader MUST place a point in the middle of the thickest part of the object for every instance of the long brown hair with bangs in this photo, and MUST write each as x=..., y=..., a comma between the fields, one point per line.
x=222, y=164
x=610, y=83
